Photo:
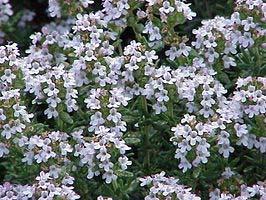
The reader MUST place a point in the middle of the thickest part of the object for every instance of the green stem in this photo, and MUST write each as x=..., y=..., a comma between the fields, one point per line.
x=170, y=109
x=146, y=147
x=144, y=105
x=146, y=136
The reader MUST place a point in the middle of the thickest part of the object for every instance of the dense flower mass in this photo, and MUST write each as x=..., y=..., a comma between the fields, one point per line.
x=87, y=113
x=166, y=187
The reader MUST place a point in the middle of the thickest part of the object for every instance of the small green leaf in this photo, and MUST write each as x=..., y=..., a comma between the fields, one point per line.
x=139, y=27
x=177, y=18
x=122, y=173
x=132, y=140
x=157, y=22
x=66, y=117
x=39, y=127
x=197, y=172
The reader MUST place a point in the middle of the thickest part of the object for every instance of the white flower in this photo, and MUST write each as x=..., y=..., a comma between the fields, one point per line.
x=241, y=129
x=7, y=132
x=215, y=195
x=171, y=53
x=235, y=18
x=210, y=42
x=85, y=3
x=51, y=90
x=141, y=14
x=246, y=40
x=262, y=144
x=151, y=2
x=53, y=100
x=248, y=23
x=193, y=137
x=159, y=107
x=184, y=165
x=211, y=54
x=230, y=48
x=103, y=198
x=153, y=31
x=228, y=61
x=150, y=56
x=51, y=112
x=54, y=8
x=3, y=150
x=18, y=126
x=162, y=96
x=206, y=111
x=225, y=150
x=114, y=115
x=185, y=9
x=183, y=50
x=65, y=148
x=124, y=162
x=102, y=131
x=228, y=173
x=8, y=76
x=2, y=115
x=109, y=176
x=28, y=157
x=167, y=8
x=155, y=34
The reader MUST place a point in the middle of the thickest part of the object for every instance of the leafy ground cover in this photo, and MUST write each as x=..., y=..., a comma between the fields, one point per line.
x=126, y=99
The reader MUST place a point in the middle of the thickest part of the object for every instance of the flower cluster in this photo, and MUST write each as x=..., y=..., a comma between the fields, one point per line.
x=166, y=187
x=27, y=16
x=247, y=192
x=48, y=186
x=67, y=104
x=5, y=12
x=55, y=6
x=13, y=114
